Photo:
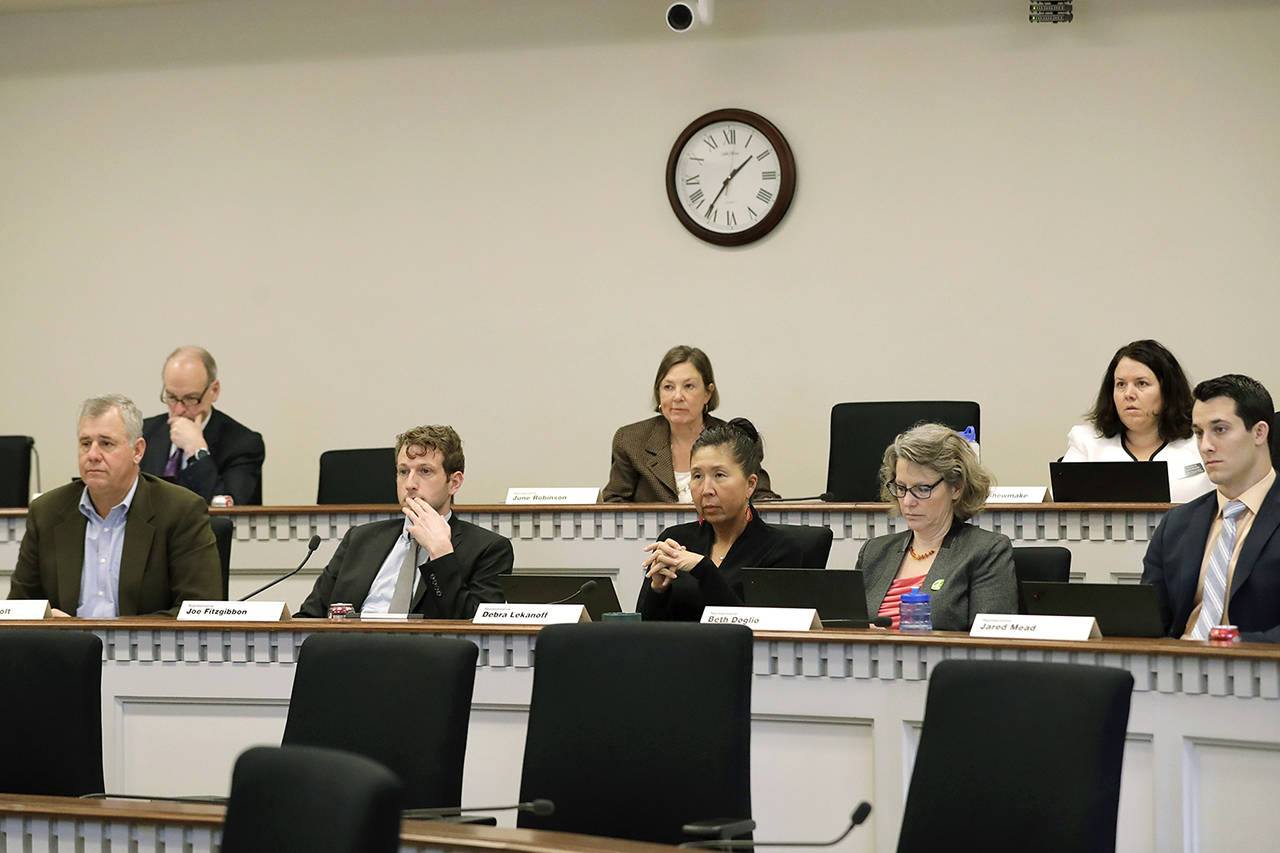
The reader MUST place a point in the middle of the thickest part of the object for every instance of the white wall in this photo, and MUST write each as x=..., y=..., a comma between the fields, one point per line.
x=388, y=213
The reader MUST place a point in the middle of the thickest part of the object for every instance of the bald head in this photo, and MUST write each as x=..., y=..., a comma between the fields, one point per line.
x=190, y=383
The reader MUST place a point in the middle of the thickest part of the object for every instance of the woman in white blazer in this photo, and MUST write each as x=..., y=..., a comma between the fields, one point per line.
x=1143, y=414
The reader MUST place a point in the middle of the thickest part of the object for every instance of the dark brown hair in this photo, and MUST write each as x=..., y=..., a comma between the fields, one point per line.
x=1175, y=392
x=700, y=362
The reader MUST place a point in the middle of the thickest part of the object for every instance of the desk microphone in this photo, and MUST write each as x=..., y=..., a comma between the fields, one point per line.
x=585, y=588
x=541, y=808
x=311, y=549
x=858, y=816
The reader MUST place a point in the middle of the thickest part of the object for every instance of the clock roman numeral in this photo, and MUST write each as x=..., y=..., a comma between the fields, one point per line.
x=710, y=142
x=765, y=196
x=769, y=176
x=693, y=181
x=763, y=154
x=729, y=218
x=698, y=159
x=754, y=215
x=747, y=144
x=730, y=135
x=696, y=198
x=711, y=213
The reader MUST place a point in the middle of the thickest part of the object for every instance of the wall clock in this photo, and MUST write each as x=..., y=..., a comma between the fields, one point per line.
x=730, y=177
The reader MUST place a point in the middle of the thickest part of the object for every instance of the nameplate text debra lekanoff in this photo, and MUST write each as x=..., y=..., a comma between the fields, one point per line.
x=234, y=611
x=1035, y=627
x=763, y=618
x=33, y=608
x=530, y=614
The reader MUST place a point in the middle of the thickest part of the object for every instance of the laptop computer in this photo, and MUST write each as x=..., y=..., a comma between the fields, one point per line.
x=838, y=594
x=549, y=589
x=1104, y=482
x=1122, y=610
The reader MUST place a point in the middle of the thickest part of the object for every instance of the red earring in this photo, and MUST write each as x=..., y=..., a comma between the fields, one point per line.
x=748, y=512
x=700, y=520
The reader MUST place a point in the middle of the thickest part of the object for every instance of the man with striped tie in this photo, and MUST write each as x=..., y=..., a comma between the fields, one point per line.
x=1216, y=560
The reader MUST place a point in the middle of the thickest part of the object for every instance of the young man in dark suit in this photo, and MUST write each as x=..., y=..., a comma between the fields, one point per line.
x=1216, y=560
x=430, y=561
x=117, y=542
x=195, y=445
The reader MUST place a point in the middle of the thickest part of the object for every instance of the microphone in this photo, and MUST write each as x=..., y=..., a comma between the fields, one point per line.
x=859, y=815
x=541, y=808
x=311, y=549
x=585, y=588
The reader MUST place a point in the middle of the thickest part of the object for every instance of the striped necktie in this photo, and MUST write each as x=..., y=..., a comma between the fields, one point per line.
x=1215, y=577
x=402, y=597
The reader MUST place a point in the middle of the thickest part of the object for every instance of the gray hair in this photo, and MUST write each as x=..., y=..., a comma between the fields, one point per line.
x=96, y=407
x=941, y=449
x=210, y=366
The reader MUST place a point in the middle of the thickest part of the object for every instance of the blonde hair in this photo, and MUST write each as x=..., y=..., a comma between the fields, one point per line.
x=940, y=449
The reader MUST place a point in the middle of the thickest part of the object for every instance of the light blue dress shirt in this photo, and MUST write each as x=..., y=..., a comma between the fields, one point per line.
x=384, y=584
x=103, y=545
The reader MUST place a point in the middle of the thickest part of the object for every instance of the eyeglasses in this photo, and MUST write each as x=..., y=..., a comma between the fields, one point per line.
x=189, y=400
x=920, y=492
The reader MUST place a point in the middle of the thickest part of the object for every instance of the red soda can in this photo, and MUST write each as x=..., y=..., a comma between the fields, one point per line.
x=341, y=610
x=1224, y=635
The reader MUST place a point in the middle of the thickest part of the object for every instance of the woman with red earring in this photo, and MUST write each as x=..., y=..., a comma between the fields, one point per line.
x=700, y=563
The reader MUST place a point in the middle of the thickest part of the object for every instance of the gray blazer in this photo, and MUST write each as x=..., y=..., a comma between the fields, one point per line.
x=973, y=566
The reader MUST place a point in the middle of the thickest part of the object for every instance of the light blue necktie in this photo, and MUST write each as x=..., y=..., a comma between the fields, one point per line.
x=1215, y=577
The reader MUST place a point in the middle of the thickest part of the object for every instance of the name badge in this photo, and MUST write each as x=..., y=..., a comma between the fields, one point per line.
x=553, y=496
x=1016, y=495
x=234, y=611
x=530, y=614
x=1035, y=627
x=32, y=608
x=1192, y=470
x=764, y=618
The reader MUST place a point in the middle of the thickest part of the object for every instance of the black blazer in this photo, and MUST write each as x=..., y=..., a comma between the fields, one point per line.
x=233, y=467
x=1172, y=566
x=458, y=583
x=642, y=470
x=760, y=546
x=169, y=554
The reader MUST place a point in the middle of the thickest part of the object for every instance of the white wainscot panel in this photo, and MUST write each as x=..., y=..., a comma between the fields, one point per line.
x=495, y=753
x=186, y=747
x=1135, y=830
x=794, y=758
x=1230, y=788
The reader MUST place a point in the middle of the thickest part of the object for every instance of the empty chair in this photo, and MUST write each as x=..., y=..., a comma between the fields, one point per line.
x=15, y=469
x=636, y=729
x=1047, y=563
x=223, y=527
x=302, y=799
x=1018, y=756
x=814, y=542
x=51, y=716
x=861, y=431
x=401, y=700
x=364, y=476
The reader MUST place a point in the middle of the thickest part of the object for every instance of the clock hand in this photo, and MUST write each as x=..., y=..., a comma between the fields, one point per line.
x=725, y=185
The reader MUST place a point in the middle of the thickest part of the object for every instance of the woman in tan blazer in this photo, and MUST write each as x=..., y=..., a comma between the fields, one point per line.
x=651, y=457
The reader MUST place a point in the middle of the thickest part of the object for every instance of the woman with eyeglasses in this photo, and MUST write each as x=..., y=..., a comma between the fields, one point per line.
x=700, y=563
x=938, y=484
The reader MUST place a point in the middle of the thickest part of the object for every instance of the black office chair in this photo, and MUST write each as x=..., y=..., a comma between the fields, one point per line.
x=814, y=542
x=636, y=729
x=1018, y=756
x=299, y=799
x=365, y=476
x=403, y=701
x=15, y=469
x=861, y=431
x=51, y=717
x=223, y=527
x=1042, y=563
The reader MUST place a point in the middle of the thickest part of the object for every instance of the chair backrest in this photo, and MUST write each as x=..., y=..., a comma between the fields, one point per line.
x=814, y=542
x=1018, y=756
x=298, y=799
x=363, y=476
x=861, y=431
x=223, y=527
x=51, y=716
x=1042, y=563
x=403, y=701
x=636, y=729
x=15, y=469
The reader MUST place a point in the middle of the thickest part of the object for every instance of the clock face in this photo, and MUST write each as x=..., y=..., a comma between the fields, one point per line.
x=730, y=177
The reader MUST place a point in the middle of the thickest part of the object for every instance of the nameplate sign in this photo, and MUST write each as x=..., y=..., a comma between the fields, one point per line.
x=530, y=614
x=234, y=611
x=1035, y=627
x=1016, y=495
x=33, y=608
x=553, y=496
x=763, y=618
